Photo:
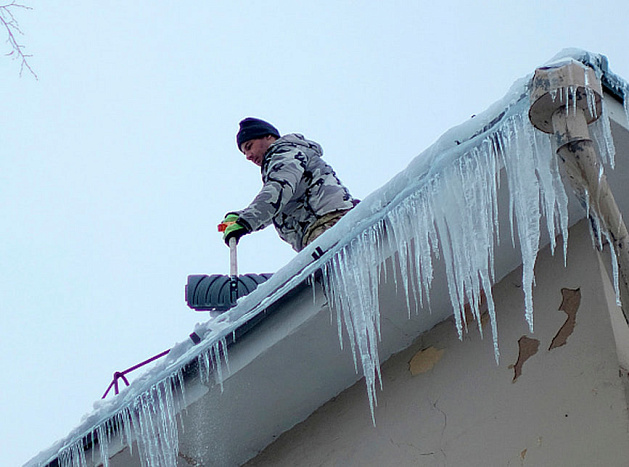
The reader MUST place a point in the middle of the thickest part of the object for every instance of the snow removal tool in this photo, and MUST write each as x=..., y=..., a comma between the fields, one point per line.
x=218, y=292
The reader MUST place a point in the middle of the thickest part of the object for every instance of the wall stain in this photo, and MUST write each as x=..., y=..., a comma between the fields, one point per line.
x=425, y=360
x=528, y=347
x=569, y=305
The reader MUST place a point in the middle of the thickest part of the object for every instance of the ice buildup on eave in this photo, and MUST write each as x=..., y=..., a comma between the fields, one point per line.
x=443, y=207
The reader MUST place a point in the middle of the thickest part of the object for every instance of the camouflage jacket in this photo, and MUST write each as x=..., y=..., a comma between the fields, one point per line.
x=299, y=188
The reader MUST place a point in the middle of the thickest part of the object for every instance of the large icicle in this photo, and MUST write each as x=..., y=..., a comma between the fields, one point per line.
x=351, y=279
x=453, y=215
x=150, y=420
x=212, y=359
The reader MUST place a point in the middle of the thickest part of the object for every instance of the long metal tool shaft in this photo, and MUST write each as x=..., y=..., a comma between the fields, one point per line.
x=233, y=270
x=233, y=257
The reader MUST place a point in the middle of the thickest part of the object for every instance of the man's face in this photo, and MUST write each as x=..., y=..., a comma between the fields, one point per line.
x=254, y=149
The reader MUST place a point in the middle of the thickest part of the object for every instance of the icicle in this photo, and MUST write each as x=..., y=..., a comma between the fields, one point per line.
x=73, y=456
x=602, y=135
x=103, y=435
x=150, y=420
x=182, y=386
x=204, y=367
x=155, y=427
x=421, y=219
x=524, y=191
x=397, y=223
x=467, y=226
x=352, y=282
x=125, y=422
x=340, y=301
x=327, y=271
x=313, y=286
x=215, y=353
x=209, y=362
x=615, y=270
x=553, y=194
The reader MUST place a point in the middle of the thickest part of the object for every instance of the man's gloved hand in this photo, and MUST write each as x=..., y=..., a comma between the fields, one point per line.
x=231, y=228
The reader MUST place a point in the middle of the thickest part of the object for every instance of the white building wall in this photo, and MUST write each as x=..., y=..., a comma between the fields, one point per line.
x=566, y=408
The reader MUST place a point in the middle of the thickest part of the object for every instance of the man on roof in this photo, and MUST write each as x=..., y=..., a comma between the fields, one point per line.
x=301, y=195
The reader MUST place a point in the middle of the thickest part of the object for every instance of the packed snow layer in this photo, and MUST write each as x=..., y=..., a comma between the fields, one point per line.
x=443, y=207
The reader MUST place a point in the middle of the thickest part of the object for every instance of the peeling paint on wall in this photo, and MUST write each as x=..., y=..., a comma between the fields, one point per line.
x=425, y=360
x=528, y=347
x=569, y=305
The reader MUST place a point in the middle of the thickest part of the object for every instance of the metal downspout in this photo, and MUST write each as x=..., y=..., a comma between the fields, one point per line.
x=565, y=100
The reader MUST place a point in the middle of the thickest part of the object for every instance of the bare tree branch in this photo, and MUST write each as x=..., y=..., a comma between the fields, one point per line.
x=12, y=27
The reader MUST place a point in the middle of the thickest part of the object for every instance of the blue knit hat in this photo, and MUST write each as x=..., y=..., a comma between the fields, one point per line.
x=252, y=128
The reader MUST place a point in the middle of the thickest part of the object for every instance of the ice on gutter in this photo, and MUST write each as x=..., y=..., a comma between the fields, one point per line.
x=442, y=207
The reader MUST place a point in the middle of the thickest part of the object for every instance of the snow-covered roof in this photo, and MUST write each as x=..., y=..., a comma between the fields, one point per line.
x=468, y=210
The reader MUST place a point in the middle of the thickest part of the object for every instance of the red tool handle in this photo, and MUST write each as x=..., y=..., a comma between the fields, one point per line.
x=223, y=226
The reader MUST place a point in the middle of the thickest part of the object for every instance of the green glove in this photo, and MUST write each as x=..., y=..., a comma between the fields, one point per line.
x=229, y=218
x=231, y=228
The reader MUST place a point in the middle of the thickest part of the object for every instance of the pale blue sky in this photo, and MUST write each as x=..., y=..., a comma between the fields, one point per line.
x=117, y=164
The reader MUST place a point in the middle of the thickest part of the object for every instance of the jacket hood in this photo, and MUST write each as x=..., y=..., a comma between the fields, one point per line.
x=296, y=139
